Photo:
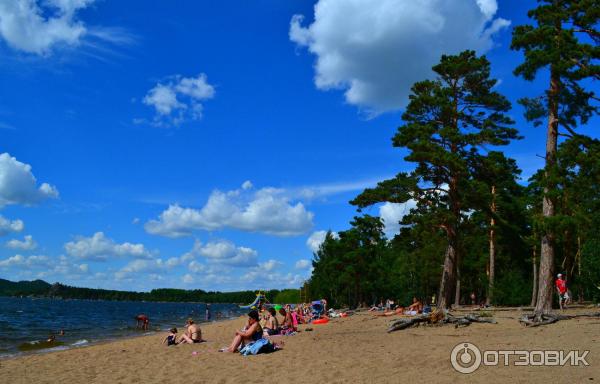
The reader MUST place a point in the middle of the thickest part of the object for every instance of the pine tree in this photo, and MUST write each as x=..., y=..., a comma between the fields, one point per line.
x=499, y=196
x=563, y=41
x=446, y=123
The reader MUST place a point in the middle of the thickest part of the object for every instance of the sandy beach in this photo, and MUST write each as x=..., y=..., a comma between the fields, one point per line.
x=356, y=349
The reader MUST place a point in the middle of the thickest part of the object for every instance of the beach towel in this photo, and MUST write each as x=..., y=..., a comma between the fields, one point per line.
x=259, y=346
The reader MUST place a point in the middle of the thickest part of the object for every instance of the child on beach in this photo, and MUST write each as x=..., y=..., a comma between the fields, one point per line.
x=171, y=338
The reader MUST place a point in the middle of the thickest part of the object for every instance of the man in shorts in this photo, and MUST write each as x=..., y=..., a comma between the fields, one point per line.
x=561, y=288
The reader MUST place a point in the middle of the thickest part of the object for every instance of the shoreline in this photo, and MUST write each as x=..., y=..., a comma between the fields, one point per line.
x=77, y=345
x=353, y=349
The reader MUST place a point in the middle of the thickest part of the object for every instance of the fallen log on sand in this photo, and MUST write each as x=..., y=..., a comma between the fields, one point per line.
x=550, y=318
x=439, y=317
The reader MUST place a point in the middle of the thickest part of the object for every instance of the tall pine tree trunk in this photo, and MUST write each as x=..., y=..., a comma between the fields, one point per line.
x=448, y=276
x=544, y=298
x=492, y=271
x=535, y=277
x=578, y=259
x=457, y=289
x=451, y=259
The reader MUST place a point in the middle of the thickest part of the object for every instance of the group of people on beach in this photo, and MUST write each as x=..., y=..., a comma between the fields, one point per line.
x=260, y=325
x=192, y=334
x=266, y=323
x=390, y=308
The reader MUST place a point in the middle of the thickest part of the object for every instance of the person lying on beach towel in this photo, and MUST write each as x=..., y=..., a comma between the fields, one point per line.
x=397, y=311
x=192, y=335
x=251, y=332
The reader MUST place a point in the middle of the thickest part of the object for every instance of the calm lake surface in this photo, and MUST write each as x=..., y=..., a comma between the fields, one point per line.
x=25, y=323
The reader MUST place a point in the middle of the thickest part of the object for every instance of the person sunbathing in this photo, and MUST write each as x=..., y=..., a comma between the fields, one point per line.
x=300, y=315
x=272, y=325
x=288, y=323
x=397, y=311
x=377, y=307
x=192, y=335
x=415, y=307
x=251, y=332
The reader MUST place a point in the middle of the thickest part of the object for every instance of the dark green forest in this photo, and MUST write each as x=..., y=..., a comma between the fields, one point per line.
x=476, y=226
x=40, y=288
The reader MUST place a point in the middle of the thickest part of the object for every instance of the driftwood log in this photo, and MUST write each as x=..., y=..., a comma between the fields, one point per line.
x=550, y=318
x=439, y=317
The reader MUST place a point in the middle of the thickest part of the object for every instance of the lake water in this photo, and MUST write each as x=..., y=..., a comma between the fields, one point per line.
x=25, y=323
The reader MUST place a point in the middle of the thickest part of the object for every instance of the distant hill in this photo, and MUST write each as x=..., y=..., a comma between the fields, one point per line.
x=23, y=288
x=40, y=288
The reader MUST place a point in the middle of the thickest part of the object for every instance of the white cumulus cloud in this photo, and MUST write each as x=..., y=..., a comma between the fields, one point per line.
x=27, y=244
x=63, y=268
x=19, y=186
x=267, y=210
x=40, y=26
x=376, y=50
x=303, y=264
x=270, y=265
x=188, y=279
x=100, y=248
x=317, y=238
x=221, y=252
x=152, y=267
x=179, y=99
x=392, y=214
x=270, y=280
x=7, y=226
x=37, y=261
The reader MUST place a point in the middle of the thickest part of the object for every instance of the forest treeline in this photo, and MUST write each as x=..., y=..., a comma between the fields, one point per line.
x=472, y=227
x=40, y=288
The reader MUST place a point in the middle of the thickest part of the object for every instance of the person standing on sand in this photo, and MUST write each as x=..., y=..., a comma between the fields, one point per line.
x=192, y=335
x=561, y=288
x=207, y=312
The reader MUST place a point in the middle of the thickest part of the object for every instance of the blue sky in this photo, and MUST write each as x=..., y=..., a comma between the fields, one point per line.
x=204, y=144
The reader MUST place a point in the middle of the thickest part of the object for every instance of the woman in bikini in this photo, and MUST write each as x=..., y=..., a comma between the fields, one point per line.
x=251, y=332
x=288, y=324
x=192, y=335
x=272, y=325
